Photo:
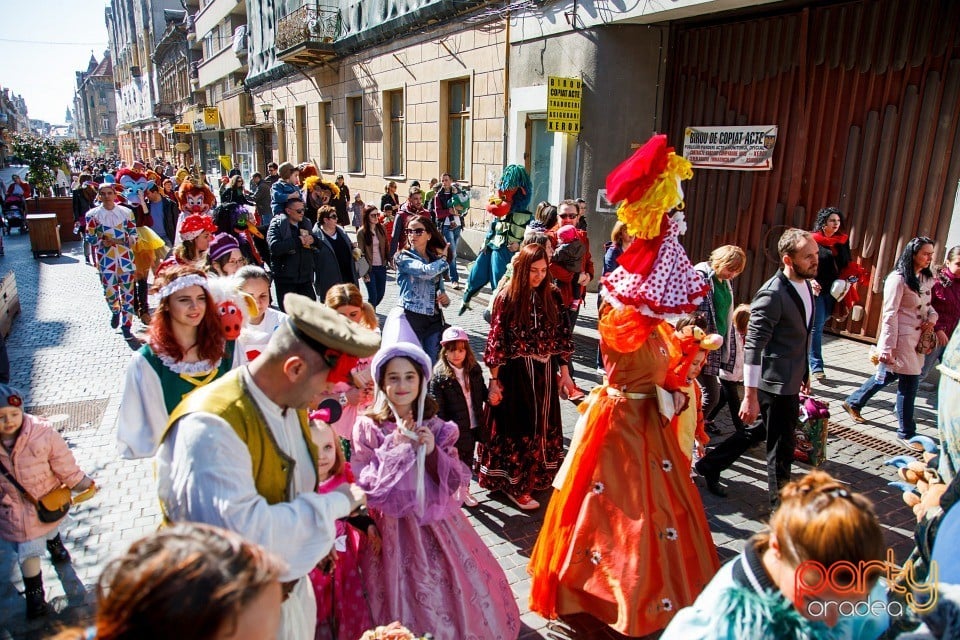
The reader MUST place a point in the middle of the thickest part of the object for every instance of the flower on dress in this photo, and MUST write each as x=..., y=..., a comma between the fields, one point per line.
x=666, y=465
x=671, y=533
x=666, y=604
x=598, y=488
x=595, y=557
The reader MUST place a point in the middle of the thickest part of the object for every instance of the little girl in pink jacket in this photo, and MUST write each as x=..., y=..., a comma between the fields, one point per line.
x=36, y=456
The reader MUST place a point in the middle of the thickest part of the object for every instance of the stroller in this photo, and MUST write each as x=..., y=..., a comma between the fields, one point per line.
x=14, y=213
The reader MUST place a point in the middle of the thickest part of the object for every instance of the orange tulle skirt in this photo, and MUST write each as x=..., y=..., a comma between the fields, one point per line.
x=625, y=539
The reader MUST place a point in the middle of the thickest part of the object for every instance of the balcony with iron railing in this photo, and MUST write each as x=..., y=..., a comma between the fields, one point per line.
x=306, y=35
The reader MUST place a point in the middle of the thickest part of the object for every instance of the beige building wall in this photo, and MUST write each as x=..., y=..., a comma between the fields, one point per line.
x=422, y=67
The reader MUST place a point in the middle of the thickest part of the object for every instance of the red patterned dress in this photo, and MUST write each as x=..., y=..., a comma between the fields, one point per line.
x=525, y=447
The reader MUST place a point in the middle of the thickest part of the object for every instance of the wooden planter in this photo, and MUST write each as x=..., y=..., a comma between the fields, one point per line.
x=62, y=208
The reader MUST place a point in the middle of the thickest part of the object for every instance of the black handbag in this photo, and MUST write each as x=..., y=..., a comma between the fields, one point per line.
x=50, y=508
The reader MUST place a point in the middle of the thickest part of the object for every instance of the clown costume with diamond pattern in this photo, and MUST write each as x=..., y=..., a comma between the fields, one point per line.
x=625, y=538
x=113, y=233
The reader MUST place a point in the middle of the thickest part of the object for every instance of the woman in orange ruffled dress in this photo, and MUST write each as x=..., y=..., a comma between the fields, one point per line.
x=625, y=538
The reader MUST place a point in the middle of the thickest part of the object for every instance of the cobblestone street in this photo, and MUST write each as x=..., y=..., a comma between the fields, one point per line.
x=70, y=365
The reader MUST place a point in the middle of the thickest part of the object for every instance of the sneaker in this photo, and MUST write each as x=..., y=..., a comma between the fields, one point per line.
x=854, y=413
x=524, y=502
x=58, y=552
x=913, y=446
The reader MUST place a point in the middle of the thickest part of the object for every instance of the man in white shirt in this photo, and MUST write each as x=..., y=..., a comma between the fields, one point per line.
x=775, y=368
x=237, y=453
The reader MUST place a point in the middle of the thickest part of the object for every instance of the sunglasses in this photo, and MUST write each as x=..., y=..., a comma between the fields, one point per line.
x=415, y=232
x=331, y=217
x=300, y=210
x=569, y=216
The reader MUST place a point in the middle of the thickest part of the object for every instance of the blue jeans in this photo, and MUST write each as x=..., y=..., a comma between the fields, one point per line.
x=452, y=236
x=822, y=308
x=430, y=344
x=377, y=284
x=906, y=398
x=931, y=360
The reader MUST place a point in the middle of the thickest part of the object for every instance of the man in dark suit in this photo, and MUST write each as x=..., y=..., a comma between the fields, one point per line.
x=775, y=366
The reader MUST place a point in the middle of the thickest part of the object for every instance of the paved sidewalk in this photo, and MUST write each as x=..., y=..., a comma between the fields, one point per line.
x=70, y=363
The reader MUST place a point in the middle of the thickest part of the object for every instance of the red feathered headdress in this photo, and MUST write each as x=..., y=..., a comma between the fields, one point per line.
x=631, y=179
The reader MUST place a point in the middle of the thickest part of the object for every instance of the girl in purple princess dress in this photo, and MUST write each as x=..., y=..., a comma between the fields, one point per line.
x=434, y=573
x=342, y=611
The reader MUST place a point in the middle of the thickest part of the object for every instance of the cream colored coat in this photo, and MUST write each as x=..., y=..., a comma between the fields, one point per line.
x=904, y=310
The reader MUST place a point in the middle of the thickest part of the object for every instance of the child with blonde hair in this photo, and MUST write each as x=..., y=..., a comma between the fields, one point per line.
x=730, y=381
x=342, y=610
x=356, y=395
x=694, y=344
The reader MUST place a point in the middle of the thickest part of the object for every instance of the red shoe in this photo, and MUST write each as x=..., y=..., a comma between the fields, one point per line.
x=576, y=395
x=524, y=502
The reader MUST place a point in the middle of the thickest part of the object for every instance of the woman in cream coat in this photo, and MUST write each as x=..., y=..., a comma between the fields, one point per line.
x=907, y=314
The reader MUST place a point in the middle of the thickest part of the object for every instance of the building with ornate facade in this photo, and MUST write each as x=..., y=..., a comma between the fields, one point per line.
x=95, y=106
x=133, y=31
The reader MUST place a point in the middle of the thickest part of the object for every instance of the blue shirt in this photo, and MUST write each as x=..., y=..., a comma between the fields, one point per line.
x=156, y=212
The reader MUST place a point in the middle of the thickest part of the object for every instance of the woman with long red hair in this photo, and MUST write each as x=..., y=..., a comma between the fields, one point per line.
x=529, y=343
x=185, y=349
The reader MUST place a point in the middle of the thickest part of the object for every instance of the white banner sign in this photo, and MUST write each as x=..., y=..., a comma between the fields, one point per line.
x=748, y=148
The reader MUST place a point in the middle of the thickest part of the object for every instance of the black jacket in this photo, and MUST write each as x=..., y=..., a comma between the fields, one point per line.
x=82, y=203
x=448, y=393
x=171, y=211
x=289, y=259
x=325, y=263
x=261, y=197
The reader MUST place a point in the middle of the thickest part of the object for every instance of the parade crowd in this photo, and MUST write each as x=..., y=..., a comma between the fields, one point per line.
x=314, y=453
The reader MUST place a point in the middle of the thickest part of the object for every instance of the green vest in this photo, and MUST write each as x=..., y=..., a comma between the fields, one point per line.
x=230, y=399
x=177, y=386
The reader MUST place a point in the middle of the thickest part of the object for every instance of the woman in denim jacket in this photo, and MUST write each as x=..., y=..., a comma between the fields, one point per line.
x=420, y=269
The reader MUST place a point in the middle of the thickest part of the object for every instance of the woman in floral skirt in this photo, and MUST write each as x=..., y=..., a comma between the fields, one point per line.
x=529, y=342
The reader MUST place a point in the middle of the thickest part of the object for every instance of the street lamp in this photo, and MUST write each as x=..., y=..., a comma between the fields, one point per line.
x=266, y=108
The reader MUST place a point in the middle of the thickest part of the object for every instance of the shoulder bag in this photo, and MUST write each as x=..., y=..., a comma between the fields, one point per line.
x=51, y=507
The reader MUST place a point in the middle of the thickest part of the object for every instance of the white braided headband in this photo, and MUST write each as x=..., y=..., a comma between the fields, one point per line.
x=182, y=283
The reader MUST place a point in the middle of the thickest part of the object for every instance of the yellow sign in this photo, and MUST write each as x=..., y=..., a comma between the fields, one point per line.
x=182, y=128
x=563, y=104
x=211, y=117
x=226, y=162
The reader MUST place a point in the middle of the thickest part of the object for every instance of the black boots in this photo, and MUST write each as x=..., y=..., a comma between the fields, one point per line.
x=58, y=552
x=36, y=604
